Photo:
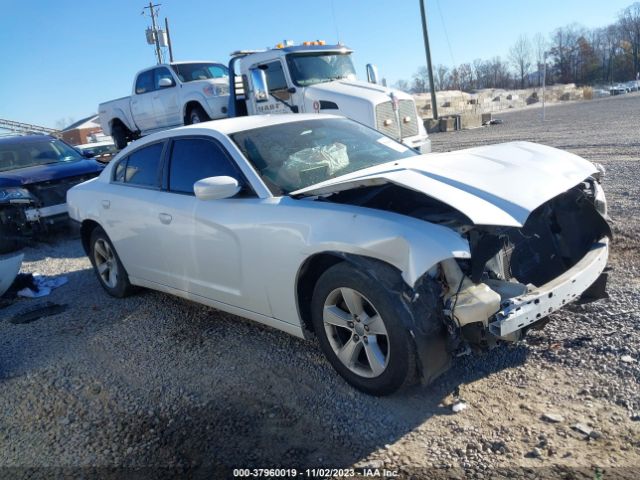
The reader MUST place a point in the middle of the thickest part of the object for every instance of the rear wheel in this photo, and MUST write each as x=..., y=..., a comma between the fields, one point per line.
x=196, y=114
x=107, y=265
x=119, y=135
x=359, y=327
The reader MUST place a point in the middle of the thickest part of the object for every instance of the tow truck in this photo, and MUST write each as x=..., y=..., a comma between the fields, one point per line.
x=307, y=78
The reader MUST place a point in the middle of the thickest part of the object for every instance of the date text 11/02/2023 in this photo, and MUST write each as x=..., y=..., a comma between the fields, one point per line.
x=314, y=472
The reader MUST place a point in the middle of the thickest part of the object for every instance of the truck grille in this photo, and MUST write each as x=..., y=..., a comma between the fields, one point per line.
x=54, y=192
x=406, y=109
x=384, y=111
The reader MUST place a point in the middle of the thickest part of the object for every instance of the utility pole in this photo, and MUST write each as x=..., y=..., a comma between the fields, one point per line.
x=152, y=11
x=166, y=26
x=427, y=49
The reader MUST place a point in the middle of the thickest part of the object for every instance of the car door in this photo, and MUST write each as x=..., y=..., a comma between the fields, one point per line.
x=131, y=216
x=142, y=101
x=279, y=99
x=166, y=99
x=203, y=244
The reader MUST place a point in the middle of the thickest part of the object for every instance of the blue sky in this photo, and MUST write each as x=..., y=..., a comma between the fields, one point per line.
x=61, y=58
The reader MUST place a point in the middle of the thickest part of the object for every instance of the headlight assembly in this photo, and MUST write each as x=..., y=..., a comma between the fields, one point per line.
x=15, y=195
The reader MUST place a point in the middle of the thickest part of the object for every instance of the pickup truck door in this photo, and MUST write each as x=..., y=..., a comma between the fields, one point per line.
x=166, y=99
x=279, y=99
x=142, y=101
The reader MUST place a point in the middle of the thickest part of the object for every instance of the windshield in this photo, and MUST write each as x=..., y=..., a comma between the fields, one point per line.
x=310, y=68
x=189, y=72
x=295, y=155
x=33, y=153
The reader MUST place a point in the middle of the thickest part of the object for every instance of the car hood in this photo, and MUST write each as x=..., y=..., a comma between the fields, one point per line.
x=44, y=173
x=355, y=89
x=493, y=185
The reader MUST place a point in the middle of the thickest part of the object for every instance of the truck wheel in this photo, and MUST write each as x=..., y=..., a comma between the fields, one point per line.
x=359, y=327
x=196, y=114
x=119, y=136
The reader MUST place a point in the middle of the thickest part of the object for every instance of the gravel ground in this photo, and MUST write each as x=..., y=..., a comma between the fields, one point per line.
x=153, y=381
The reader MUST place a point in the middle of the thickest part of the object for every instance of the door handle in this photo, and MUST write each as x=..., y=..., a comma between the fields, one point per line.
x=165, y=218
x=106, y=204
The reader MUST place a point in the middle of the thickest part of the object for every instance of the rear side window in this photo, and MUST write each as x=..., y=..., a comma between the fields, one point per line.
x=144, y=82
x=193, y=159
x=141, y=167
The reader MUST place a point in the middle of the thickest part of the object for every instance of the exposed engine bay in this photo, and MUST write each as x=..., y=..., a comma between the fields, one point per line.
x=496, y=294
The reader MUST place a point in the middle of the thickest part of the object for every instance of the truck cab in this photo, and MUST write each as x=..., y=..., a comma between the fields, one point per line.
x=320, y=78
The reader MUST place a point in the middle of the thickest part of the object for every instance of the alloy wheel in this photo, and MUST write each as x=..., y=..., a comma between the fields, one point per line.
x=356, y=332
x=106, y=263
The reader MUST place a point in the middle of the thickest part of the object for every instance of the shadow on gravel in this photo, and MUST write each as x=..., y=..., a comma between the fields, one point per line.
x=278, y=409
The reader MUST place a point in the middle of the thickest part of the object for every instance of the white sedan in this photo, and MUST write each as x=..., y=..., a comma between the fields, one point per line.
x=319, y=226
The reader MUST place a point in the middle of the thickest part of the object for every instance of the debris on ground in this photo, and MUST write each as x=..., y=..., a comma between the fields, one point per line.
x=459, y=406
x=42, y=286
x=31, y=314
x=552, y=417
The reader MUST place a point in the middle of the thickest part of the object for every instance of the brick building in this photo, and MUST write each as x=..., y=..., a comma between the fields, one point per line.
x=78, y=133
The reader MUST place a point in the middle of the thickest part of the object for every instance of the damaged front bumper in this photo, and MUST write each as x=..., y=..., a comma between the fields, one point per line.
x=520, y=312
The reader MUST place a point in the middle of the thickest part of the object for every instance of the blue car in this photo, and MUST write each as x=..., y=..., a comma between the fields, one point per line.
x=35, y=173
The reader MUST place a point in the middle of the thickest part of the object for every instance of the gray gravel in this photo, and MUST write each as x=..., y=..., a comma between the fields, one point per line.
x=156, y=381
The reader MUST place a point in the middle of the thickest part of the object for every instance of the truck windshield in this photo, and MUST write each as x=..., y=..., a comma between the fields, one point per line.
x=189, y=72
x=295, y=155
x=309, y=68
x=32, y=153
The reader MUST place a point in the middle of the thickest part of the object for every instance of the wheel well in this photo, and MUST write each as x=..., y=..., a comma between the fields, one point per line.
x=308, y=276
x=117, y=121
x=191, y=104
x=86, y=229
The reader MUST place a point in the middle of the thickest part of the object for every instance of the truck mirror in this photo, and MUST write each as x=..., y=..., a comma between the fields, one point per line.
x=372, y=73
x=259, y=83
x=165, y=82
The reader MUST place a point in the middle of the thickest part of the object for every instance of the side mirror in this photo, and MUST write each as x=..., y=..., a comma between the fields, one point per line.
x=216, y=188
x=165, y=82
x=372, y=73
x=260, y=86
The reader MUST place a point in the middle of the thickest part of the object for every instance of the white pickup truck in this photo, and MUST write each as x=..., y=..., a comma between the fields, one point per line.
x=307, y=78
x=166, y=96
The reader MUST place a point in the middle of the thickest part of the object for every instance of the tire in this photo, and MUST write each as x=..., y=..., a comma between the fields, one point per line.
x=8, y=240
x=196, y=114
x=360, y=330
x=107, y=266
x=119, y=135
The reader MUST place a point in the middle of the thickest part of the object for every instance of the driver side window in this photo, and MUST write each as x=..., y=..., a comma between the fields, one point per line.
x=277, y=81
x=193, y=159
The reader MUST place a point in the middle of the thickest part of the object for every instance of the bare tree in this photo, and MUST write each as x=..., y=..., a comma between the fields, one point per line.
x=540, y=47
x=520, y=57
x=442, y=77
x=402, y=85
x=420, y=82
x=629, y=21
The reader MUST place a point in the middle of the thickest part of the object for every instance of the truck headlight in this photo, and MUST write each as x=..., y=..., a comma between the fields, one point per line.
x=215, y=90
x=15, y=195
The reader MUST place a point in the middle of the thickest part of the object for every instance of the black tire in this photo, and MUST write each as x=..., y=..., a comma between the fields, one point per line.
x=9, y=239
x=119, y=135
x=120, y=287
x=196, y=114
x=397, y=346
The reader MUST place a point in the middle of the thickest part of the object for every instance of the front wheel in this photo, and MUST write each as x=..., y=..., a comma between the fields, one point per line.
x=360, y=331
x=197, y=115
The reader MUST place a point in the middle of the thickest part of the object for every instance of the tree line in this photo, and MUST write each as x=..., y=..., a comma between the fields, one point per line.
x=572, y=54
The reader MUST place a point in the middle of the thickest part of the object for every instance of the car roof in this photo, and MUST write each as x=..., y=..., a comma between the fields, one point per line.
x=24, y=139
x=238, y=124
